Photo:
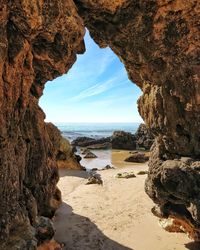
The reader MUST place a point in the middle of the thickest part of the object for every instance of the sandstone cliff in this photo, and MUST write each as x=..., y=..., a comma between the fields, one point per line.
x=158, y=42
x=39, y=40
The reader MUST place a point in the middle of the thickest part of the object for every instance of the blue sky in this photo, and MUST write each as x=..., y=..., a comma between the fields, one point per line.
x=96, y=89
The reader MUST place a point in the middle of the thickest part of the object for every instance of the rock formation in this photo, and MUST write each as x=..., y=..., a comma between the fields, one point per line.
x=65, y=156
x=126, y=175
x=102, y=143
x=123, y=140
x=144, y=137
x=137, y=157
x=94, y=178
x=158, y=42
x=39, y=41
x=90, y=155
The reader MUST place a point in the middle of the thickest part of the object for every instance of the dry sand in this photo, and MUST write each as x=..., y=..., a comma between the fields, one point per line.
x=115, y=216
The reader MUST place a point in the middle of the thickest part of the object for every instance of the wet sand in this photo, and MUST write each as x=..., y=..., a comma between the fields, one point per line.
x=107, y=157
x=115, y=216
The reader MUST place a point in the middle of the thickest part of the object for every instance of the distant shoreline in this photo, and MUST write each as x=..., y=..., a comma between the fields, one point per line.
x=94, y=130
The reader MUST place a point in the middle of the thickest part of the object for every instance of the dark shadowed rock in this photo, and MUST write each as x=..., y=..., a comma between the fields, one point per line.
x=142, y=172
x=104, y=145
x=94, y=169
x=91, y=143
x=123, y=140
x=82, y=141
x=107, y=167
x=44, y=229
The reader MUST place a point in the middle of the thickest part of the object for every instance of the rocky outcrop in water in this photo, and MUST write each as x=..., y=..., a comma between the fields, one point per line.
x=102, y=143
x=123, y=140
x=143, y=138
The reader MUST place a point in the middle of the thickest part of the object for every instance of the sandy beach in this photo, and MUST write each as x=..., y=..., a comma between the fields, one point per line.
x=112, y=216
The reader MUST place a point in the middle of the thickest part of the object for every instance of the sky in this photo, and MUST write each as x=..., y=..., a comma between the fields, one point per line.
x=96, y=89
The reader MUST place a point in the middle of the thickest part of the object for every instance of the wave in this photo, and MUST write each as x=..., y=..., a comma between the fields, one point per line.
x=94, y=130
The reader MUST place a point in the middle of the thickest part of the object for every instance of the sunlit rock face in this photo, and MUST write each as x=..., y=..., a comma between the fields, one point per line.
x=158, y=42
x=39, y=41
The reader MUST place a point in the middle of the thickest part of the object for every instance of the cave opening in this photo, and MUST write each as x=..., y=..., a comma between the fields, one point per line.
x=95, y=90
x=94, y=99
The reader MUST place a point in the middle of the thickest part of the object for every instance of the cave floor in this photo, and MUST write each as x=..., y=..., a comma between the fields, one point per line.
x=115, y=215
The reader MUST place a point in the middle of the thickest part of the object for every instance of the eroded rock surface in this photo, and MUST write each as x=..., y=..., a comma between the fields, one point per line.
x=123, y=140
x=158, y=42
x=92, y=143
x=65, y=156
x=137, y=157
x=144, y=137
x=39, y=41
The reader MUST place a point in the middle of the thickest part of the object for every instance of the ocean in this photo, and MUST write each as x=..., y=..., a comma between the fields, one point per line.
x=94, y=130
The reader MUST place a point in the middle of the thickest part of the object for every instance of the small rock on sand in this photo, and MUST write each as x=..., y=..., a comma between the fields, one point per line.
x=94, y=169
x=90, y=155
x=95, y=179
x=137, y=157
x=126, y=175
x=108, y=167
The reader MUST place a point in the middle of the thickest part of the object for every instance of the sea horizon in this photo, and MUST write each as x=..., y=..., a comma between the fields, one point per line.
x=96, y=130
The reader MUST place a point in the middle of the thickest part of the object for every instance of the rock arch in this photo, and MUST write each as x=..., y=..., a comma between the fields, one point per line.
x=158, y=42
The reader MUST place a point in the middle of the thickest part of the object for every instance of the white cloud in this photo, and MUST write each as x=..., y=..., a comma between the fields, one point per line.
x=95, y=90
x=100, y=87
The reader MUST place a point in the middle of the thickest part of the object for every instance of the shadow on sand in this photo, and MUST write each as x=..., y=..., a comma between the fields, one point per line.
x=77, y=173
x=79, y=233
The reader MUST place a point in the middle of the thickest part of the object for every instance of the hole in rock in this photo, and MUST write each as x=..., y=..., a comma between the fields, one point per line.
x=93, y=99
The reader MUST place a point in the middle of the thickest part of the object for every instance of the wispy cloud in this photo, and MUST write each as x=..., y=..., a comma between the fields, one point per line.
x=115, y=81
x=87, y=68
x=97, y=89
x=110, y=101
